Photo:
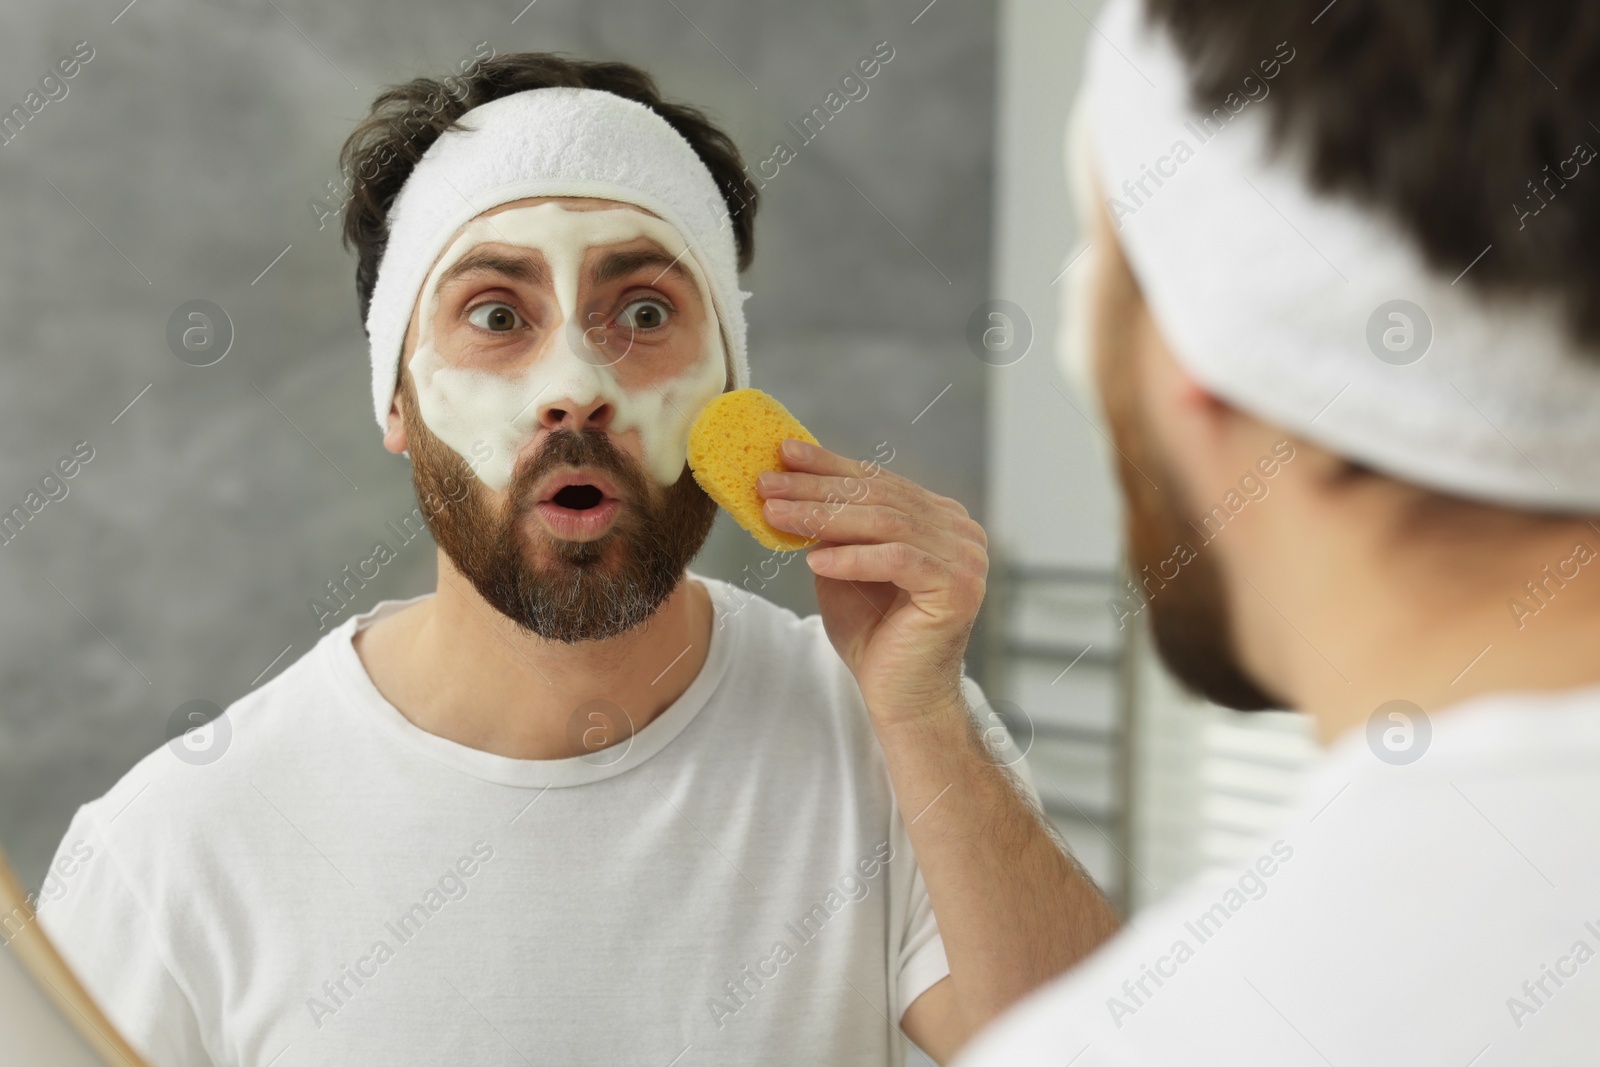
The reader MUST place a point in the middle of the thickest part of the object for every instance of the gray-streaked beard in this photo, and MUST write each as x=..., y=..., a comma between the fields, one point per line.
x=580, y=591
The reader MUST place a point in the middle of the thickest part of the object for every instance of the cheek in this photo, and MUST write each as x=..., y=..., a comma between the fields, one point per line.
x=655, y=397
x=662, y=406
x=644, y=367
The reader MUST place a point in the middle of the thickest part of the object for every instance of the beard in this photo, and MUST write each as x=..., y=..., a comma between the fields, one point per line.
x=567, y=591
x=1189, y=617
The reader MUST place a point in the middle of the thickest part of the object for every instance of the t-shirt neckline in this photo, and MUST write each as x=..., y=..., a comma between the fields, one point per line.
x=350, y=674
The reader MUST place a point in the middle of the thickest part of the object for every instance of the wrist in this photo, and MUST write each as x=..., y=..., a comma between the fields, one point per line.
x=944, y=720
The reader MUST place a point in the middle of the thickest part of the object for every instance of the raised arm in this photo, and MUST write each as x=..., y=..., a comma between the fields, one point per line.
x=900, y=578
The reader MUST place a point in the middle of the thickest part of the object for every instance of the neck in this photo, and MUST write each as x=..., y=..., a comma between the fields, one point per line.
x=1432, y=623
x=457, y=668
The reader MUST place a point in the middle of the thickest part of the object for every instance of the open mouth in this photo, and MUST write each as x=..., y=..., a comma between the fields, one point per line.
x=578, y=497
x=578, y=505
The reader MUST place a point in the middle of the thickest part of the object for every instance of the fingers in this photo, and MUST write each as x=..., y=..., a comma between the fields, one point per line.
x=803, y=455
x=910, y=568
x=862, y=524
x=827, y=481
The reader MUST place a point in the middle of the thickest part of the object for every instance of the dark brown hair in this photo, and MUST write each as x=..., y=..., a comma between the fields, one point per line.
x=404, y=120
x=1443, y=116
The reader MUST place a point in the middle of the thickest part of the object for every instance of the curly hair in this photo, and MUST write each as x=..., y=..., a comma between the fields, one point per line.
x=404, y=120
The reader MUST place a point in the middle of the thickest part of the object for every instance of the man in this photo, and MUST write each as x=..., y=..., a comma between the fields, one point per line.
x=1354, y=385
x=580, y=805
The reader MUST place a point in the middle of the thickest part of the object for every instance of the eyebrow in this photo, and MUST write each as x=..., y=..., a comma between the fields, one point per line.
x=526, y=269
x=532, y=271
x=614, y=265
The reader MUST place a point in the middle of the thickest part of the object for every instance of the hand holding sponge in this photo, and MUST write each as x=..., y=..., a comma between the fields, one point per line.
x=734, y=439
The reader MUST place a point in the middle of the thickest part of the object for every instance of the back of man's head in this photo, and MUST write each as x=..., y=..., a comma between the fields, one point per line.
x=1442, y=117
x=1346, y=259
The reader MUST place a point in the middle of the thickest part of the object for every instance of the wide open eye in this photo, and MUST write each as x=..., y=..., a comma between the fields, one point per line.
x=495, y=317
x=644, y=314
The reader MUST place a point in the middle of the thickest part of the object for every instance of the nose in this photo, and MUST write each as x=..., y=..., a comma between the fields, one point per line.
x=569, y=413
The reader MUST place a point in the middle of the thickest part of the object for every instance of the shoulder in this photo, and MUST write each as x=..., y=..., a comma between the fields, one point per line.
x=781, y=659
x=775, y=636
x=1394, y=893
x=202, y=770
x=777, y=650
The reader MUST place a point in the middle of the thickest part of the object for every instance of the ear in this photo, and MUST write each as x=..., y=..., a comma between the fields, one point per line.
x=1189, y=394
x=394, y=436
x=1205, y=435
x=1172, y=391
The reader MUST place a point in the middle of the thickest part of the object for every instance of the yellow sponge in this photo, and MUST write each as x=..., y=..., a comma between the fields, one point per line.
x=735, y=438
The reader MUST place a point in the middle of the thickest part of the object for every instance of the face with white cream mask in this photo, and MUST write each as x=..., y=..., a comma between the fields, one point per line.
x=557, y=353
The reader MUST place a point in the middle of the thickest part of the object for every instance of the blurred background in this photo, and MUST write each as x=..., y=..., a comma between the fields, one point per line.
x=910, y=263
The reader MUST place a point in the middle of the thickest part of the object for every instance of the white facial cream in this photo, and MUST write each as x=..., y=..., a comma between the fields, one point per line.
x=465, y=405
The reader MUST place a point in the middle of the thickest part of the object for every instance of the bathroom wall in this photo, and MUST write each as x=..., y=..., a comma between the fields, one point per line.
x=186, y=161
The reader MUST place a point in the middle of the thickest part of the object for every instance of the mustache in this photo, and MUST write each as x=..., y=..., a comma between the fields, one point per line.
x=573, y=448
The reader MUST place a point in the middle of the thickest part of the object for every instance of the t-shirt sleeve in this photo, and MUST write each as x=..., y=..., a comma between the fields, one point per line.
x=102, y=930
x=922, y=961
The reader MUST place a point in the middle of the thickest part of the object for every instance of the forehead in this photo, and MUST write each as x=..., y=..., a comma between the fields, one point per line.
x=585, y=220
x=565, y=203
x=563, y=230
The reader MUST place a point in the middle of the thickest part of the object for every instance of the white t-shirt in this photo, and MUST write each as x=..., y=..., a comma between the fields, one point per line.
x=1441, y=912
x=734, y=887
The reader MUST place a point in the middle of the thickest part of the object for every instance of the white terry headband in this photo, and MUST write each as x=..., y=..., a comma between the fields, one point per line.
x=549, y=142
x=1285, y=302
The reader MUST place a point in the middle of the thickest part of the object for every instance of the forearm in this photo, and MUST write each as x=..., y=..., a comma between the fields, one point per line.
x=1014, y=909
x=900, y=580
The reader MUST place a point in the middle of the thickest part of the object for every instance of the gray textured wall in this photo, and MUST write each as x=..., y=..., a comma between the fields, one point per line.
x=180, y=164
